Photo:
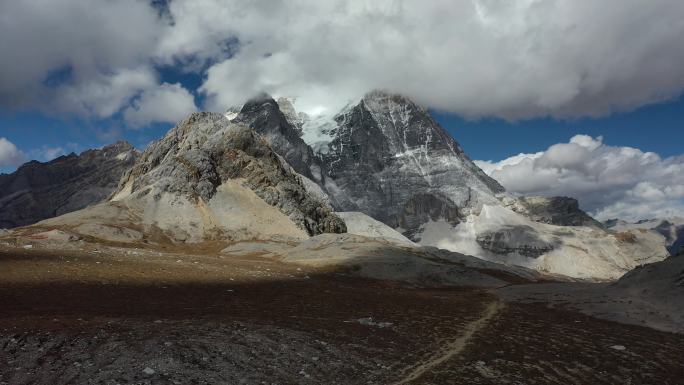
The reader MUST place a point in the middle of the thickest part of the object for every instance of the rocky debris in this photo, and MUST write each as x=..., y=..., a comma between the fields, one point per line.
x=560, y=211
x=202, y=353
x=37, y=191
x=650, y=295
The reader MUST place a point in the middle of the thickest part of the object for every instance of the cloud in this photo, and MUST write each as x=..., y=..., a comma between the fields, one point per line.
x=75, y=56
x=50, y=153
x=166, y=103
x=511, y=59
x=47, y=153
x=609, y=181
x=105, y=94
x=10, y=155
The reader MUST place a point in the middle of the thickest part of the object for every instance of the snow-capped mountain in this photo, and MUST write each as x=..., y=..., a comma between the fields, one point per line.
x=387, y=157
x=267, y=171
x=670, y=228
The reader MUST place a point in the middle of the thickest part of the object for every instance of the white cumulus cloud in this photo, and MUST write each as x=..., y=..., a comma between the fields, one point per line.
x=166, y=103
x=508, y=58
x=609, y=181
x=85, y=57
x=10, y=155
x=512, y=59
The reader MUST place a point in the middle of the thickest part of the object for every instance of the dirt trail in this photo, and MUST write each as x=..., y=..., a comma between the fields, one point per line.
x=454, y=348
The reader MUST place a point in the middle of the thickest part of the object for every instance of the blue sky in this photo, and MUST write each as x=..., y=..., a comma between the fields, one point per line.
x=657, y=128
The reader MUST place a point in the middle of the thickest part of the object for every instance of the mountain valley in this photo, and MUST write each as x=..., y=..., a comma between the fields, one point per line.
x=264, y=245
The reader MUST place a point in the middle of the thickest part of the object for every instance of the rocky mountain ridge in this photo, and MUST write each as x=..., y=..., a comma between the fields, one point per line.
x=206, y=150
x=266, y=171
x=37, y=191
x=387, y=157
x=207, y=180
x=374, y=154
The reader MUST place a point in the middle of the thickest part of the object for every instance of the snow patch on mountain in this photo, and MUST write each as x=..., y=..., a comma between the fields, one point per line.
x=316, y=132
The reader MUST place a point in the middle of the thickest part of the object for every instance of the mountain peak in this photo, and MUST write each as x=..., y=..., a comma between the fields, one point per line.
x=214, y=169
x=386, y=98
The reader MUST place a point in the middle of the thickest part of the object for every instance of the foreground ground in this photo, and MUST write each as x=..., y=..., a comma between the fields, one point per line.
x=146, y=317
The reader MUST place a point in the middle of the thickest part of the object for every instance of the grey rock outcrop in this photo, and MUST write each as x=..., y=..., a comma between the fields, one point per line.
x=205, y=151
x=560, y=211
x=264, y=116
x=37, y=191
x=385, y=156
x=388, y=158
x=394, y=162
x=674, y=235
x=521, y=240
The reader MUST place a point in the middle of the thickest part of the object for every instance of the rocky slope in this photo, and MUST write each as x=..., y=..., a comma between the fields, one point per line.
x=502, y=235
x=650, y=295
x=560, y=211
x=37, y=191
x=206, y=179
x=671, y=228
x=388, y=158
x=384, y=156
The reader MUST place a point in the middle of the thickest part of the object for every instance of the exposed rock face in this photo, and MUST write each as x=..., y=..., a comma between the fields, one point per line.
x=385, y=156
x=520, y=240
x=397, y=164
x=296, y=119
x=388, y=158
x=37, y=191
x=204, y=152
x=560, y=211
x=264, y=116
